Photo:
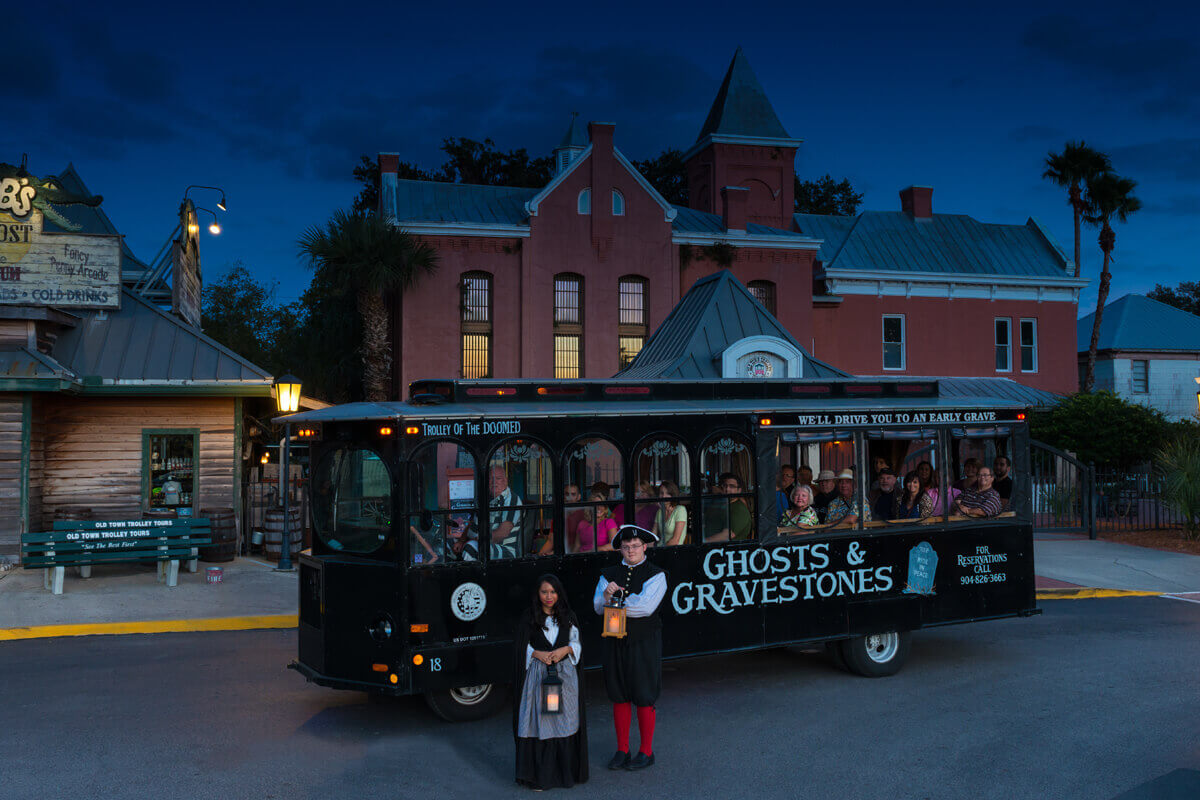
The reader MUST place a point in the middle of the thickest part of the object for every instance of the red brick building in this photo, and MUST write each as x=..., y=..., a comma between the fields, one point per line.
x=569, y=280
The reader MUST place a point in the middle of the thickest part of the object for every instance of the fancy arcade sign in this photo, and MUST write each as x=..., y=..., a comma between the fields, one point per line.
x=52, y=269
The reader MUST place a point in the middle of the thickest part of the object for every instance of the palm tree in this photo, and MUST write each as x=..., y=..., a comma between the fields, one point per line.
x=1074, y=168
x=365, y=255
x=1109, y=196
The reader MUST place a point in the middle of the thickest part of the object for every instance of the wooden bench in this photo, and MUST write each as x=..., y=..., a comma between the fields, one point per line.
x=82, y=544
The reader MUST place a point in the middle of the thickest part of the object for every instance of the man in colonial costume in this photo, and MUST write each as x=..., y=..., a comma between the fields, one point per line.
x=633, y=663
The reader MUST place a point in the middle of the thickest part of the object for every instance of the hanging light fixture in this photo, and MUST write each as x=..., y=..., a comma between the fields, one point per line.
x=287, y=393
x=552, y=691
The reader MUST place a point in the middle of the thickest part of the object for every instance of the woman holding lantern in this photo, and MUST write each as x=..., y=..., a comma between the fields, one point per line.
x=548, y=716
x=627, y=596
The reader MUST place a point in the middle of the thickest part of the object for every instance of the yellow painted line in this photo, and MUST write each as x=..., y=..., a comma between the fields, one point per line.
x=153, y=626
x=1084, y=594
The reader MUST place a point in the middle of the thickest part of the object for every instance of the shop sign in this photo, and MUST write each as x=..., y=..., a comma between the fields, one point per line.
x=52, y=269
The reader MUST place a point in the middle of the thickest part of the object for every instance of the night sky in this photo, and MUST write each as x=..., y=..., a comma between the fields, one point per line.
x=275, y=103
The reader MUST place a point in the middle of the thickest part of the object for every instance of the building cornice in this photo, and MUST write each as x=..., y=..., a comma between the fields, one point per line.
x=741, y=239
x=754, y=141
x=464, y=229
x=907, y=276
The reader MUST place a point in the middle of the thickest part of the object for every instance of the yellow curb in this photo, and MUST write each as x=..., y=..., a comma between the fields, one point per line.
x=1084, y=594
x=153, y=626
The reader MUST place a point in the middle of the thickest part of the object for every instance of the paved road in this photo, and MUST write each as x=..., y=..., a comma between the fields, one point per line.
x=1092, y=699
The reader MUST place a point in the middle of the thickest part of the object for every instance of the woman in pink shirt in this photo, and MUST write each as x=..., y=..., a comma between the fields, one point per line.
x=596, y=535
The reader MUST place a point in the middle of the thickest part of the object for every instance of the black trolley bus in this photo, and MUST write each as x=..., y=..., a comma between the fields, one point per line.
x=434, y=517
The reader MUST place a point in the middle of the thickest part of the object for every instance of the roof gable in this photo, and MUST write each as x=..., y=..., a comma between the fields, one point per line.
x=90, y=220
x=531, y=206
x=717, y=312
x=1135, y=322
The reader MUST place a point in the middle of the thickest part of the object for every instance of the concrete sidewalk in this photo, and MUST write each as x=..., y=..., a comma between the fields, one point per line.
x=127, y=598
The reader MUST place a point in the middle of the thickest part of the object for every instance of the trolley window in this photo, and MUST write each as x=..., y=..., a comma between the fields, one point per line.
x=907, y=479
x=664, y=462
x=352, y=500
x=595, y=507
x=520, y=498
x=825, y=454
x=727, y=470
x=982, y=456
x=441, y=497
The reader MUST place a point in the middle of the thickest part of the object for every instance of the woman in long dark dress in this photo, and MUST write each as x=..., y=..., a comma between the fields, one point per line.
x=551, y=748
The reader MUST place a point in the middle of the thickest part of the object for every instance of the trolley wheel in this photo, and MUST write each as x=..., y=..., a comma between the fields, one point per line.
x=467, y=703
x=877, y=655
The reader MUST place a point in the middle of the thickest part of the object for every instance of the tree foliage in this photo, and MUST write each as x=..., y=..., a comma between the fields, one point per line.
x=827, y=196
x=1074, y=169
x=365, y=256
x=667, y=174
x=1185, y=296
x=1103, y=428
x=241, y=313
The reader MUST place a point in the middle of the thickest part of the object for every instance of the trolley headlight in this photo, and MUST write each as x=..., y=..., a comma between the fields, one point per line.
x=381, y=628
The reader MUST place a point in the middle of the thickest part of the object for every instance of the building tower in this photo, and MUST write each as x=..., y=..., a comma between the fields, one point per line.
x=572, y=145
x=743, y=144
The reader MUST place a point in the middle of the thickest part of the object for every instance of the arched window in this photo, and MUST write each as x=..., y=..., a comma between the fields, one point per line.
x=476, y=323
x=764, y=292
x=352, y=500
x=441, y=497
x=632, y=327
x=584, y=204
x=662, y=467
x=593, y=475
x=727, y=469
x=568, y=326
x=520, y=492
x=618, y=208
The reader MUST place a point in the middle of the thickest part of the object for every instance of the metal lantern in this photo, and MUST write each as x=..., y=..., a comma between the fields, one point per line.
x=552, y=691
x=614, y=620
x=287, y=393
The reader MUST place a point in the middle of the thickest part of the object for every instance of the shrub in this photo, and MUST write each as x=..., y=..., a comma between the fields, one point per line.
x=1179, y=463
x=1100, y=427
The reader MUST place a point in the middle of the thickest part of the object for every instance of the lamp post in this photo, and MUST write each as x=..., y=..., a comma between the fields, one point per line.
x=220, y=203
x=287, y=400
x=215, y=227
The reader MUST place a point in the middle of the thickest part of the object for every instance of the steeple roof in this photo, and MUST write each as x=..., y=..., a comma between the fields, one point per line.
x=576, y=135
x=742, y=107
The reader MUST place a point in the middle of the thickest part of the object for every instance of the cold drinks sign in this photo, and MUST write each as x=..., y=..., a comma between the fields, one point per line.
x=52, y=269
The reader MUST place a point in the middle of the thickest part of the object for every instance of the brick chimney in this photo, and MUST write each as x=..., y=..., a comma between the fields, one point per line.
x=734, y=200
x=917, y=202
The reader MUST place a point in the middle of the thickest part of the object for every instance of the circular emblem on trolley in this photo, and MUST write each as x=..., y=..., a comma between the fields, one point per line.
x=468, y=602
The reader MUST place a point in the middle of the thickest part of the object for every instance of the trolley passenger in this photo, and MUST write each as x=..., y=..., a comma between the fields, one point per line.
x=800, y=513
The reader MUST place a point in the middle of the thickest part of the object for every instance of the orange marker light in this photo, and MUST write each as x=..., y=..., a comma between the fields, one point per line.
x=386, y=431
x=1021, y=415
x=765, y=421
x=394, y=678
x=418, y=659
x=419, y=628
x=379, y=667
x=412, y=429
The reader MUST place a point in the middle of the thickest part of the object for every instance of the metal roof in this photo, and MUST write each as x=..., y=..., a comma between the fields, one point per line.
x=141, y=345
x=945, y=243
x=741, y=107
x=90, y=220
x=1135, y=322
x=1000, y=388
x=436, y=201
x=21, y=363
x=689, y=220
x=576, y=135
x=397, y=410
x=716, y=312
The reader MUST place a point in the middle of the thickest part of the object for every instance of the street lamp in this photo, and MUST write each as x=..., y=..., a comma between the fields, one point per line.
x=220, y=203
x=287, y=400
x=215, y=228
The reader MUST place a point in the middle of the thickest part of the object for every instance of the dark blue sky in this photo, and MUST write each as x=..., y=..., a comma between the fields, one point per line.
x=275, y=102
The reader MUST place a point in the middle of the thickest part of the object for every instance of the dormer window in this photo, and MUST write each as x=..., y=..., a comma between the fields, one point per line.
x=618, y=204
x=585, y=201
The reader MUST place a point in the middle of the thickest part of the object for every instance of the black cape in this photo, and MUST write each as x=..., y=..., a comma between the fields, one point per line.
x=539, y=762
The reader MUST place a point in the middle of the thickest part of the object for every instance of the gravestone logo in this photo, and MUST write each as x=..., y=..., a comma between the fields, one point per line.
x=759, y=366
x=922, y=565
x=468, y=602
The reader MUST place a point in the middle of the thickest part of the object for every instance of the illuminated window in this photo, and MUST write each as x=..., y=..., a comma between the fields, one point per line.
x=568, y=326
x=476, y=322
x=631, y=319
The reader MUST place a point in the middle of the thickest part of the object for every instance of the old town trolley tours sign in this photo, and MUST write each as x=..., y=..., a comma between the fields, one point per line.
x=52, y=269
x=435, y=517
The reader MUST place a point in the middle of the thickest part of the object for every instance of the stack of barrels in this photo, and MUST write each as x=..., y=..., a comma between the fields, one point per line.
x=223, y=525
x=273, y=539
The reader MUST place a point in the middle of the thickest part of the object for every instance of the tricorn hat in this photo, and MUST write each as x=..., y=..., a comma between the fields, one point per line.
x=627, y=532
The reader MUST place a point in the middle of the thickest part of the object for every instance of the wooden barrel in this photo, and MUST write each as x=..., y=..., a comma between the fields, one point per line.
x=273, y=534
x=223, y=523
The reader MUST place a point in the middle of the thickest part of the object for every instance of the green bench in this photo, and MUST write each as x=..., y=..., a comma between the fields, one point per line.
x=82, y=544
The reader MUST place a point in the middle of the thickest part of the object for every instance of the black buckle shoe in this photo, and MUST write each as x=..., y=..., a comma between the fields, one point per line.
x=640, y=761
x=620, y=760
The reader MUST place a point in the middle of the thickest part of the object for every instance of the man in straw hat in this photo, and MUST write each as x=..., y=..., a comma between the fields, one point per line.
x=633, y=664
x=845, y=509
